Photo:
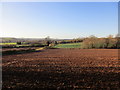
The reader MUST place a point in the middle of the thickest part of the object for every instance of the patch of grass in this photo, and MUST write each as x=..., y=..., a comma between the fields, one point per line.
x=39, y=49
x=22, y=45
x=69, y=45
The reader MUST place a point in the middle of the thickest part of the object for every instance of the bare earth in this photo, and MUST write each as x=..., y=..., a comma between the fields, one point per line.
x=62, y=69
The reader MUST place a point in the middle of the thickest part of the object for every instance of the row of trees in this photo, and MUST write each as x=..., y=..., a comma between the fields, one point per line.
x=94, y=42
x=77, y=40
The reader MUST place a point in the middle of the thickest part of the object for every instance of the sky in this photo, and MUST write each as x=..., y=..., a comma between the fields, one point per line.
x=60, y=20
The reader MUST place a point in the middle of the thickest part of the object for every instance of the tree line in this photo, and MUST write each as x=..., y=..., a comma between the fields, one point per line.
x=95, y=42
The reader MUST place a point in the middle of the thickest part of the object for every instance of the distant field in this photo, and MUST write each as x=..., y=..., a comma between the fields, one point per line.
x=70, y=45
x=8, y=43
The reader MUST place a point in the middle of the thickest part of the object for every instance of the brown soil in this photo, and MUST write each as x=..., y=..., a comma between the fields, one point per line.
x=62, y=69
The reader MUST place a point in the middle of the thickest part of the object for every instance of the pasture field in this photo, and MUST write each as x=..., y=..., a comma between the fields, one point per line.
x=69, y=45
x=62, y=69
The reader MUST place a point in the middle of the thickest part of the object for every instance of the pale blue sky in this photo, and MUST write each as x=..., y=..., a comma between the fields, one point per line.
x=59, y=19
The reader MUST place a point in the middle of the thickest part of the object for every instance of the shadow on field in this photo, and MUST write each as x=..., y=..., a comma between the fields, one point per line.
x=14, y=52
x=23, y=77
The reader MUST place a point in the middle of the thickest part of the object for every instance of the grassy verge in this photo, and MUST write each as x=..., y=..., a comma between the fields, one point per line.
x=69, y=45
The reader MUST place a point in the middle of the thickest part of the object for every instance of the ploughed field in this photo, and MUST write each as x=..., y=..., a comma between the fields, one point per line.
x=62, y=69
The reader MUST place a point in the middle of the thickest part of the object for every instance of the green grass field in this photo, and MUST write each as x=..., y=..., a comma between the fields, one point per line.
x=8, y=43
x=69, y=45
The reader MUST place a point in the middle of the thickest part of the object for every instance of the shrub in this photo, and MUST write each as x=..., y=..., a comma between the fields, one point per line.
x=19, y=43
